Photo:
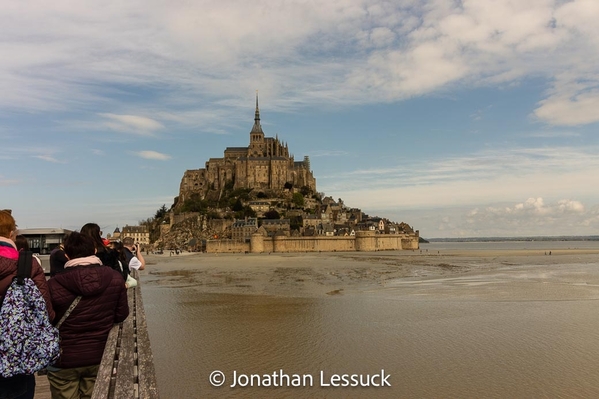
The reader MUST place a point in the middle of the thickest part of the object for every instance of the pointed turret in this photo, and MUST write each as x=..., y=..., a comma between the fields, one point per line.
x=257, y=128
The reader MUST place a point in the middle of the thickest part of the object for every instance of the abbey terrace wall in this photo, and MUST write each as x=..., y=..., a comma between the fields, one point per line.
x=363, y=241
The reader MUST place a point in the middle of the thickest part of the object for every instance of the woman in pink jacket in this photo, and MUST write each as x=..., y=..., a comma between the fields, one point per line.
x=20, y=386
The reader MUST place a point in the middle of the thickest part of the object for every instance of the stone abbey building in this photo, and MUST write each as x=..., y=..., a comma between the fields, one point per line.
x=264, y=165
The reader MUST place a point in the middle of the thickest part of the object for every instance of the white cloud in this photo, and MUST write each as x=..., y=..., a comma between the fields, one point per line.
x=533, y=217
x=4, y=181
x=537, y=206
x=571, y=206
x=478, y=194
x=132, y=124
x=63, y=56
x=48, y=158
x=48, y=154
x=491, y=176
x=139, y=68
x=551, y=134
x=376, y=38
x=153, y=155
x=579, y=108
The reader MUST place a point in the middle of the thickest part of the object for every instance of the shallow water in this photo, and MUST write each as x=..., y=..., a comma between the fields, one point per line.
x=540, y=245
x=518, y=334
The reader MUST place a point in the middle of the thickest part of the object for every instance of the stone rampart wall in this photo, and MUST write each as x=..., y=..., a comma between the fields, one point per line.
x=388, y=242
x=268, y=245
x=363, y=241
x=313, y=244
x=227, y=246
x=410, y=243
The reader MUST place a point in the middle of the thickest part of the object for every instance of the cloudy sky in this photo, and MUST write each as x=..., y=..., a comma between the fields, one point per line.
x=460, y=118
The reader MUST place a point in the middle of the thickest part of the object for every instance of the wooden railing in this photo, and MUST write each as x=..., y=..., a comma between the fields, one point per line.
x=127, y=368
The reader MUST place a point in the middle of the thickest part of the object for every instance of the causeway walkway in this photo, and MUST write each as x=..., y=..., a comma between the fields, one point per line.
x=127, y=368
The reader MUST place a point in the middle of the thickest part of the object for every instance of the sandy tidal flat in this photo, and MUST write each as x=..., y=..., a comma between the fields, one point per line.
x=470, y=274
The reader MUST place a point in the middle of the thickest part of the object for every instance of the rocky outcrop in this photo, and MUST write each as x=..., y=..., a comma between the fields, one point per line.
x=192, y=232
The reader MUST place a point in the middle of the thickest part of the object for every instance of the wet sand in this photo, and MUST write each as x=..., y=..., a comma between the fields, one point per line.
x=342, y=273
x=455, y=324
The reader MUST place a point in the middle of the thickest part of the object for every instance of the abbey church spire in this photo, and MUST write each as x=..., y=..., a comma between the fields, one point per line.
x=257, y=128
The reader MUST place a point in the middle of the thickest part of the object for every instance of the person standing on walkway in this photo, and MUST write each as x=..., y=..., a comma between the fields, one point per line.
x=57, y=260
x=21, y=386
x=23, y=245
x=108, y=256
x=102, y=303
x=135, y=259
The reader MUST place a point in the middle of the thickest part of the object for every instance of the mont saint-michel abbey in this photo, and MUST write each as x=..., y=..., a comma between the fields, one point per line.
x=264, y=165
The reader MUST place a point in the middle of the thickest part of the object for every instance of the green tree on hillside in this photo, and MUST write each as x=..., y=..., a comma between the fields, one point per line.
x=246, y=211
x=195, y=204
x=272, y=214
x=161, y=212
x=238, y=206
x=298, y=200
x=296, y=223
x=306, y=191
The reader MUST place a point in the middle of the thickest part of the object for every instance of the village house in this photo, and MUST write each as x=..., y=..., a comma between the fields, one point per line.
x=242, y=229
x=275, y=226
x=311, y=221
x=140, y=234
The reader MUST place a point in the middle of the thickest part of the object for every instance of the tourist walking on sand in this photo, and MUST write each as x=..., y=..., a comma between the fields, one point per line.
x=21, y=386
x=102, y=303
x=134, y=256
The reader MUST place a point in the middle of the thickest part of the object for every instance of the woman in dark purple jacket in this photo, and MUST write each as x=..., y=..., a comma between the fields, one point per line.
x=85, y=331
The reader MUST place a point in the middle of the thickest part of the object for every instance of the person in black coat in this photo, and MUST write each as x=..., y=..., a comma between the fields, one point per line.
x=108, y=256
x=102, y=303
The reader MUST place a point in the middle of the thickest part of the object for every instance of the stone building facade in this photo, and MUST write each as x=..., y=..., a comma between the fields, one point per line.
x=265, y=164
x=140, y=234
x=242, y=230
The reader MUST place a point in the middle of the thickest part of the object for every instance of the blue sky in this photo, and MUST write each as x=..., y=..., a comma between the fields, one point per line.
x=460, y=118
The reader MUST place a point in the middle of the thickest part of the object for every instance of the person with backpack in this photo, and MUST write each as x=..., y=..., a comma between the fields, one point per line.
x=97, y=299
x=23, y=245
x=20, y=386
